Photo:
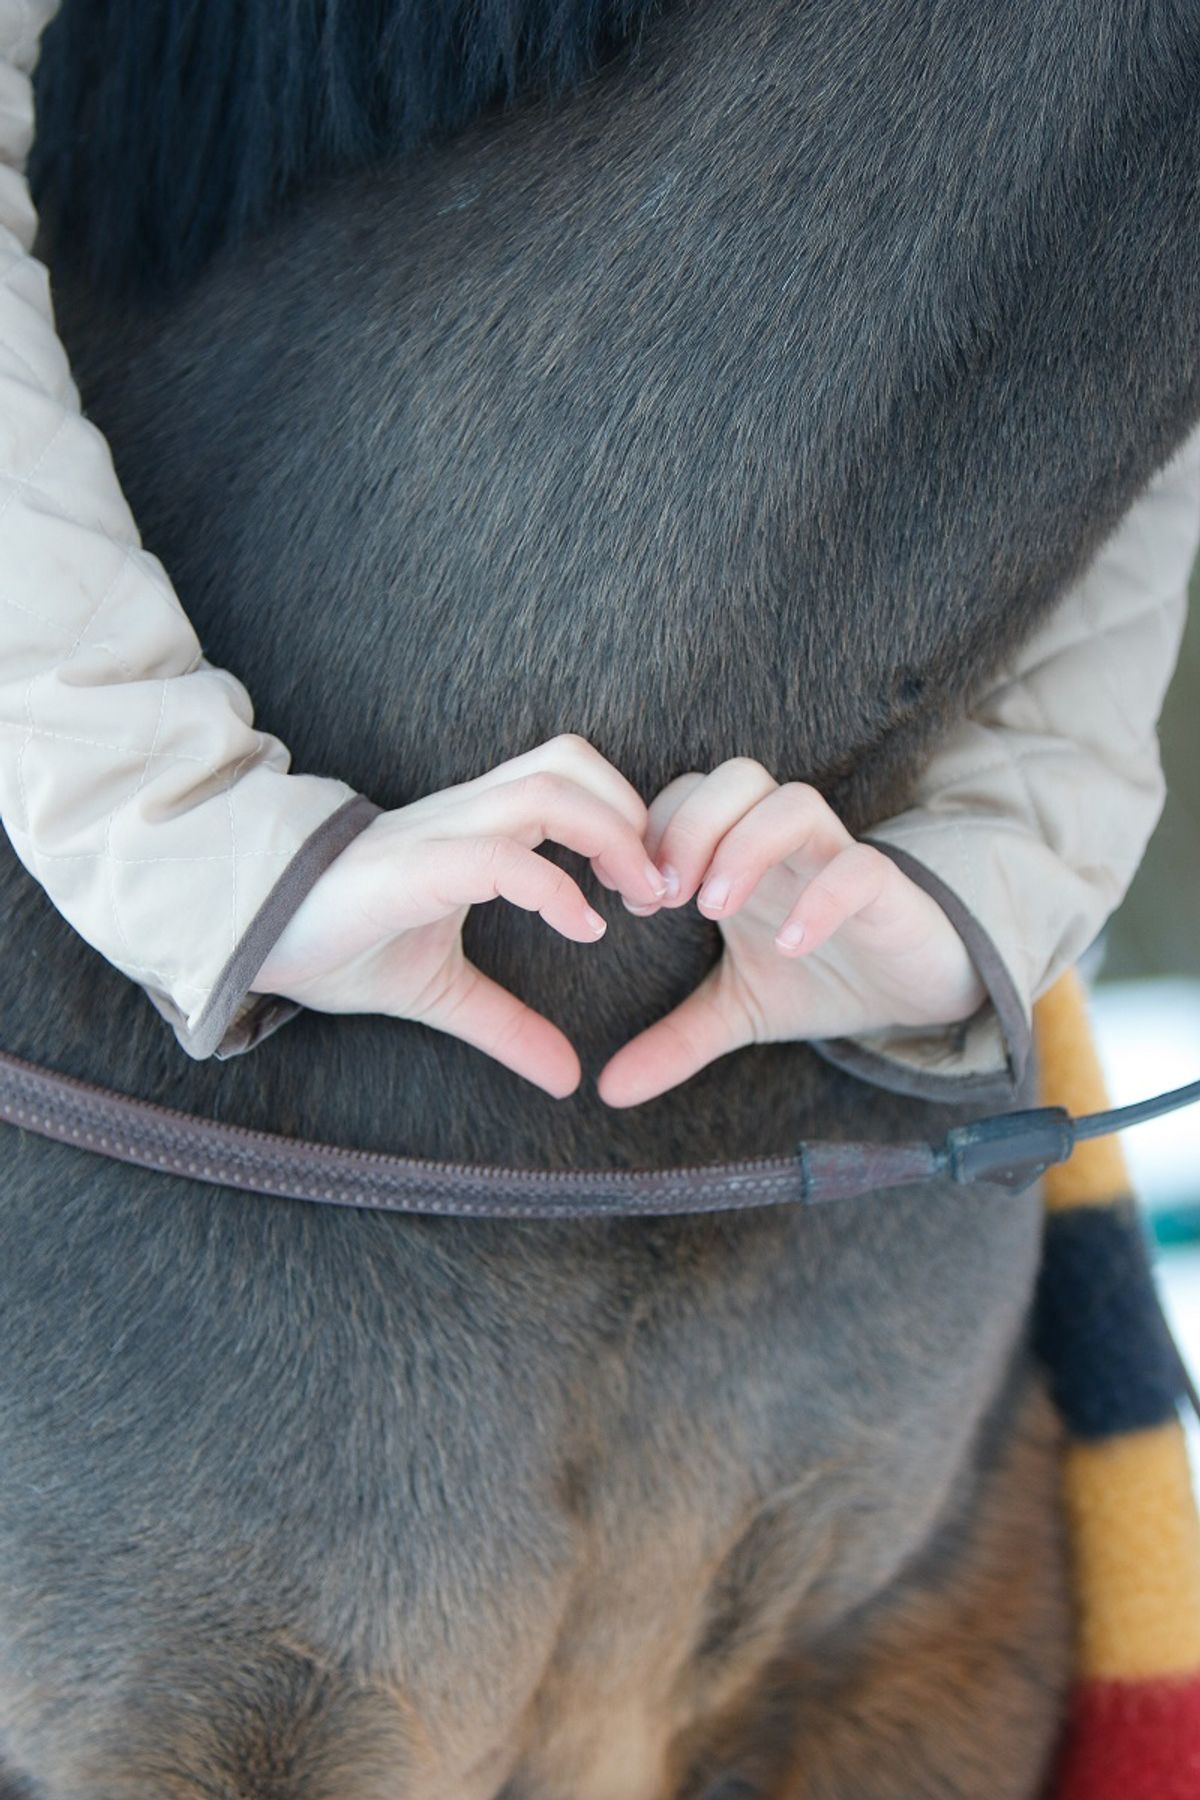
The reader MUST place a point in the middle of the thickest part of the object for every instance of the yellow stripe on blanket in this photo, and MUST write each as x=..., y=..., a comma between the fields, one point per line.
x=1070, y=1075
x=1136, y=1545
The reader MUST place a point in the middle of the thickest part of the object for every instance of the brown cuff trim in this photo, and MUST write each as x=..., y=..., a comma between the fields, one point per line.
x=216, y=1032
x=901, y=1078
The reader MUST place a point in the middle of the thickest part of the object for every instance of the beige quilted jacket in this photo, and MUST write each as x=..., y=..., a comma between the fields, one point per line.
x=170, y=832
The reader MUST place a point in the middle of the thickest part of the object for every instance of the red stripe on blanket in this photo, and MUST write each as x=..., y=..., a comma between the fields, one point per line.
x=1133, y=1740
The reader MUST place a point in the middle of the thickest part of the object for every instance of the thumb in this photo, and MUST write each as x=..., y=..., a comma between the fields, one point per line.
x=709, y=1023
x=473, y=1007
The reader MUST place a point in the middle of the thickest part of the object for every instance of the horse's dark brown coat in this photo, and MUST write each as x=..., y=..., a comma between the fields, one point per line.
x=756, y=400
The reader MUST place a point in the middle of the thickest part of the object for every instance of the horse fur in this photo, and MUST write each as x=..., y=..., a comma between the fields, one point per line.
x=756, y=396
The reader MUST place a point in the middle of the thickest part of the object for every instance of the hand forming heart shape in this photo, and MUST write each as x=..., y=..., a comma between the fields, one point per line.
x=822, y=935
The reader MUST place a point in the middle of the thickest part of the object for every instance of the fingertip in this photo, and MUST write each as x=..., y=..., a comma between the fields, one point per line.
x=594, y=921
x=610, y=1090
x=656, y=881
x=714, y=896
x=551, y=1063
x=580, y=925
x=679, y=892
x=565, y=1086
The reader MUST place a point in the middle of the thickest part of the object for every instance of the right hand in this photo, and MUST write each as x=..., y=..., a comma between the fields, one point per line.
x=380, y=931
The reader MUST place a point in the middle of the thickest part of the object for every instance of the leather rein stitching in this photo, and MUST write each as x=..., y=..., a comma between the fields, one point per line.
x=1009, y=1150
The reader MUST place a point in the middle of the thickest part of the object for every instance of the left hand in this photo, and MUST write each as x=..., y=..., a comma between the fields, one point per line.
x=823, y=936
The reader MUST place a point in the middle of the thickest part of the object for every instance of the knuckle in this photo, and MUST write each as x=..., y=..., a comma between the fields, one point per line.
x=868, y=866
x=805, y=794
x=868, y=857
x=748, y=765
x=687, y=829
x=664, y=807
x=805, y=798
x=490, y=852
x=573, y=746
x=676, y=795
x=542, y=787
x=821, y=902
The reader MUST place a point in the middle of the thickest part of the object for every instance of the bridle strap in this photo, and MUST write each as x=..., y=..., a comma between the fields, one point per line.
x=1009, y=1150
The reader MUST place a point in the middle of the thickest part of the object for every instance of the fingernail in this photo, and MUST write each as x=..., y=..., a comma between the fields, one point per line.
x=715, y=893
x=594, y=920
x=658, y=886
x=790, y=936
x=671, y=877
x=639, y=912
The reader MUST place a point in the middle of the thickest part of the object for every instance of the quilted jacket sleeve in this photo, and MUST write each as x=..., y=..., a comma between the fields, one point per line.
x=133, y=783
x=1029, y=823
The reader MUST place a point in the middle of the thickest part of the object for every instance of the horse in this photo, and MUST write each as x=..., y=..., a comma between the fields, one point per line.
x=753, y=388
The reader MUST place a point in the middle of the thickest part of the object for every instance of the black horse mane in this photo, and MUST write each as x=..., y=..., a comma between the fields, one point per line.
x=169, y=129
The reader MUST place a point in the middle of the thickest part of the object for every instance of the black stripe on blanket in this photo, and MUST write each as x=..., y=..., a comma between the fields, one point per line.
x=1099, y=1327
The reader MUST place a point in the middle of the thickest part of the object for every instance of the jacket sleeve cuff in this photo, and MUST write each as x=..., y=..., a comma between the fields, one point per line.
x=982, y=1059
x=233, y=1020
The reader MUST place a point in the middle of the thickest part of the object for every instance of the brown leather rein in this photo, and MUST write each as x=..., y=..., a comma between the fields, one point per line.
x=1009, y=1150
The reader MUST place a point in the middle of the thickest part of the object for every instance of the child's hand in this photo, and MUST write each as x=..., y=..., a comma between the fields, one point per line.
x=824, y=937
x=380, y=931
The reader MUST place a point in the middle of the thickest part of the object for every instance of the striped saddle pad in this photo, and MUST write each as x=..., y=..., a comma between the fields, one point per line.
x=1134, y=1728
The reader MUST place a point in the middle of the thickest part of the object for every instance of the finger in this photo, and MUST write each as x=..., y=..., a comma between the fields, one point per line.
x=665, y=805
x=857, y=883
x=662, y=809
x=545, y=806
x=470, y=871
x=575, y=759
x=478, y=1010
x=708, y=1024
x=794, y=821
x=704, y=816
